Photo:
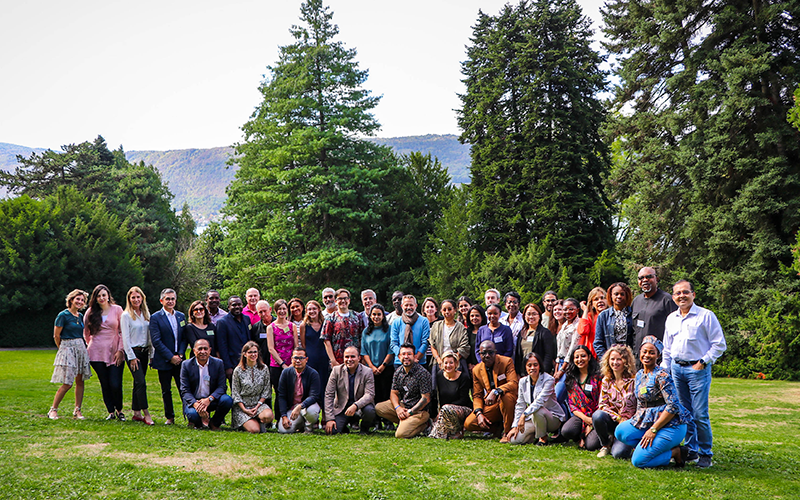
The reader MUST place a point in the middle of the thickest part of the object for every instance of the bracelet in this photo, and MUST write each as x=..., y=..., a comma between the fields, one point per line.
x=396, y=407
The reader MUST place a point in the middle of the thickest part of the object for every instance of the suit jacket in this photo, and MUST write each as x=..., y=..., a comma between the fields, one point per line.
x=311, y=389
x=459, y=340
x=232, y=335
x=190, y=380
x=544, y=396
x=163, y=339
x=503, y=375
x=336, y=391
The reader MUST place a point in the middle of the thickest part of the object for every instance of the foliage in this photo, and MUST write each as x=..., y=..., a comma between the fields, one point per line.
x=709, y=175
x=531, y=114
x=794, y=113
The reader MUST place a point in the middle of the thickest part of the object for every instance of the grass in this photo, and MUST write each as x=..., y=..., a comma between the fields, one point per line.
x=757, y=454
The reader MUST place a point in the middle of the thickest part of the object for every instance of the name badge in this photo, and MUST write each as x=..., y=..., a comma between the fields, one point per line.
x=183, y=323
x=209, y=332
x=639, y=323
x=587, y=387
x=250, y=327
x=405, y=388
x=498, y=340
x=643, y=389
x=263, y=335
x=206, y=378
x=530, y=338
x=502, y=376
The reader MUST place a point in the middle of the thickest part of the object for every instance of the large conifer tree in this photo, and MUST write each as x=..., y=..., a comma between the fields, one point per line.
x=532, y=116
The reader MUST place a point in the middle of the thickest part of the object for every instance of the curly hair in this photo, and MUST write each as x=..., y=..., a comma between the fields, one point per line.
x=626, y=354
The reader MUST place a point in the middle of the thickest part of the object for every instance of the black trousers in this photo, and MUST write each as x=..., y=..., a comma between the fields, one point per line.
x=165, y=378
x=110, y=378
x=571, y=430
x=139, y=396
x=366, y=420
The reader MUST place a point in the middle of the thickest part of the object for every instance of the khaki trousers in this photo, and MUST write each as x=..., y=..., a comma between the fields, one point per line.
x=407, y=428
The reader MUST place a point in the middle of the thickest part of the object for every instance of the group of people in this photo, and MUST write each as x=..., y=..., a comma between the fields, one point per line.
x=621, y=375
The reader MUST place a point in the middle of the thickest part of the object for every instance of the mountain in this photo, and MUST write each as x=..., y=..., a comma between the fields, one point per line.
x=199, y=176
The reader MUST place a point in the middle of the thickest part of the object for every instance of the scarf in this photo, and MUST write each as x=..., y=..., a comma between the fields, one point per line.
x=409, y=321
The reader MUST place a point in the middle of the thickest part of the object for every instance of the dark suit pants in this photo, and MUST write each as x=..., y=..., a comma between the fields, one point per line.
x=139, y=399
x=367, y=418
x=219, y=407
x=165, y=378
x=110, y=378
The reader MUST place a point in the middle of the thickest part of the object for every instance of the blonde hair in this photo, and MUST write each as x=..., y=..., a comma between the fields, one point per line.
x=71, y=296
x=627, y=355
x=129, y=309
x=596, y=291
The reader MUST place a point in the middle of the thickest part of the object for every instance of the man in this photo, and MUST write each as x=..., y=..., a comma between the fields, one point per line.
x=512, y=318
x=298, y=395
x=494, y=393
x=411, y=392
x=233, y=332
x=167, y=333
x=212, y=302
x=341, y=329
x=258, y=332
x=349, y=395
x=412, y=329
x=693, y=341
x=549, y=300
x=203, y=388
x=649, y=310
x=329, y=301
x=252, y=295
x=397, y=303
x=368, y=299
x=491, y=296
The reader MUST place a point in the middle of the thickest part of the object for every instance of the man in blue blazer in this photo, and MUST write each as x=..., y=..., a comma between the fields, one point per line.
x=203, y=388
x=169, y=342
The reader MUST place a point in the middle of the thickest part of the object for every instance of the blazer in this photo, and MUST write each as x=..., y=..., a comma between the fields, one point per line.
x=503, y=375
x=232, y=335
x=336, y=391
x=311, y=389
x=544, y=396
x=604, y=331
x=459, y=340
x=544, y=344
x=163, y=339
x=190, y=380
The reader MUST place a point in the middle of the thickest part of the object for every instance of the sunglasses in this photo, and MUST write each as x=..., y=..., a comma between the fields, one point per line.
x=647, y=277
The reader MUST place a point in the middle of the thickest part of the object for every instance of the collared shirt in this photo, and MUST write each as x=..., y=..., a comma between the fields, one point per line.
x=351, y=388
x=135, y=333
x=516, y=327
x=254, y=317
x=412, y=385
x=204, y=387
x=696, y=336
x=215, y=317
x=173, y=322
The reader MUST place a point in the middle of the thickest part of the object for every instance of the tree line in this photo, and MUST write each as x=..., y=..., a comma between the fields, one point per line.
x=691, y=167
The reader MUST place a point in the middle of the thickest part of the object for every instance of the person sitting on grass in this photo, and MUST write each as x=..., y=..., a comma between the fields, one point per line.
x=350, y=395
x=251, y=392
x=298, y=395
x=617, y=399
x=583, y=392
x=203, y=387
x=411, y=392
x=537, y=412
x=494, y=393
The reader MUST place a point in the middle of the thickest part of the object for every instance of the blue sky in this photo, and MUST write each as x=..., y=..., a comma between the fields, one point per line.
x=184, y=74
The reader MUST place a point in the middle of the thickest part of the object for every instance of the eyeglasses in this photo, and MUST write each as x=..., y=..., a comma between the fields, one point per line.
x=512, y=302
x=169, y=299
x=298, y=358
x=647, y=277
x=327, y=296
x=678, y=293
x=198, y=309
x=252, y=352
x=486, y=353
x=202, y=348
x=340, y=299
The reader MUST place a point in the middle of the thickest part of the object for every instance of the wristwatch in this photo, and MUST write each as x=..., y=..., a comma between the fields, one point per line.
x=653, y=430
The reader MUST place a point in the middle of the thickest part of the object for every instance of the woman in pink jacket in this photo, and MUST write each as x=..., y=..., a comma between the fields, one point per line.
x=104, y=343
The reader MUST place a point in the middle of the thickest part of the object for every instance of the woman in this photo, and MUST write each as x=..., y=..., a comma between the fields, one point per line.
x=430, y=310
x=497, y=332
x=135, y=326
x=200, y=327
x=558, y=317
x=477, y=318
x=281, y=341
x=453, y=387
x=315, y=349
x=534, y=338
x=596, y=303
x=659, y=424
x=583, y=391
x=251, y=392
x=297, y=313
x=375, y=353
x=617, y=399
x=448, y=335
x=104, y=344
x=537, y=412
x=615, y=324
x=464, y=303
x=567, y=332
x=72, y=359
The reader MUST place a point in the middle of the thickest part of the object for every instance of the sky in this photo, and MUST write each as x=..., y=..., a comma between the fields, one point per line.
x=178, y=74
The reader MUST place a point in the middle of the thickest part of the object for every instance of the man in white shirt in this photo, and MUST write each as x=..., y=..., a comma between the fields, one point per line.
x=693, y=341
x=368, y=299
x=203, y=388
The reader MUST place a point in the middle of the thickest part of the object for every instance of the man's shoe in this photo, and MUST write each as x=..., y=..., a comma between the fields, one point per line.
x=704, y=462
x=692, y=457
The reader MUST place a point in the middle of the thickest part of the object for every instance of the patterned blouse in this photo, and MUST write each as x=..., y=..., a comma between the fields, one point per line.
x=565, y=338
x=342, y=331
x=620, y=404
x=655, y=392
x=582, y=402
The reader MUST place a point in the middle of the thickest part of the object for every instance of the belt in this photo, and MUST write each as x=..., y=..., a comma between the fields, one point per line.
x=685, y=363
x=653, y=404
x=140, y=348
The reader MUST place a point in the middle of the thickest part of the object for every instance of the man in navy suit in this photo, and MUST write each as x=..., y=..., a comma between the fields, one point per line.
x=233, y=332
x=169, y=342
x=203, y=388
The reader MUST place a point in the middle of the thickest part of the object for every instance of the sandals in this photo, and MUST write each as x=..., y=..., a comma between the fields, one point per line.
x=77, y=413
x=52, y=414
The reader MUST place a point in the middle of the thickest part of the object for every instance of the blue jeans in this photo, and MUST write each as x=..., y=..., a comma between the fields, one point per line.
x=693, y=387
x=220, y=407
x=561, y=397
x=660, y=450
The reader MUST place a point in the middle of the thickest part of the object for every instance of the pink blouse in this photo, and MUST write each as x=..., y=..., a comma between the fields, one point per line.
x=620, y=404
x=108, y=340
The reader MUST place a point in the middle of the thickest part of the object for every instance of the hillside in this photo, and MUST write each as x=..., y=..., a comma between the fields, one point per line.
x=199, y=176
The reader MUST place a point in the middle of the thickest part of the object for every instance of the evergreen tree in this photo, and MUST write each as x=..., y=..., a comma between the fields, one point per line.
x=531, y=114
x=309, y=193
x=709, y=182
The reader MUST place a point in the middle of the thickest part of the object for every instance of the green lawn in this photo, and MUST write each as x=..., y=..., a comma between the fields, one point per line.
x=757, y=454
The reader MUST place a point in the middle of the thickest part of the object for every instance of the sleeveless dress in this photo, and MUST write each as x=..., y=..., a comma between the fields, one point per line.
x=284, y=343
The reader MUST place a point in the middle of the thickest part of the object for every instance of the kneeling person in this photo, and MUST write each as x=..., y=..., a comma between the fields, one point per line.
x=349, y=395
x=203, y=387
x=298, y=395
x=411, y=393
x=494, y=393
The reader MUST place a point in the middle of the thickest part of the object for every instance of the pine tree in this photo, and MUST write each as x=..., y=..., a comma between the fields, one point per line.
x=532, y=116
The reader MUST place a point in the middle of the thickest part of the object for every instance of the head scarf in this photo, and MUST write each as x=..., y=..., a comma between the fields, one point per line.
x=652, y=339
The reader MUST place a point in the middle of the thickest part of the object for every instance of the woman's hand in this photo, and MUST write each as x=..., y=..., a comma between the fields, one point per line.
x=119, y=358
x=134, y=363
x=647, y=439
